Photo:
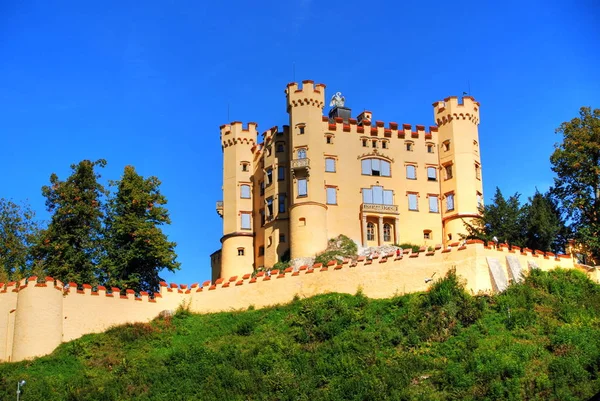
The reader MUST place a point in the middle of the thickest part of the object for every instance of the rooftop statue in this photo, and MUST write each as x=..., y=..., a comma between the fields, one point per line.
x=337, y=100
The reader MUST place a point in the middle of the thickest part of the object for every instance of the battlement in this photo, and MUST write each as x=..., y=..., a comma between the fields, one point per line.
x=66, y=312
x=309, y=94
x=235, y=133
x=452, y=109
x=378, y=129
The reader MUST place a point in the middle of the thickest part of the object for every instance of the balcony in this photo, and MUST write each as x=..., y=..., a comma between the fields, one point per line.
x=300, y=164
x=379, y=208
x=220, y=208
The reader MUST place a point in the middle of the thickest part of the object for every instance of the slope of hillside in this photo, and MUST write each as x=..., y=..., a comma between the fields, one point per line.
x=539, y=340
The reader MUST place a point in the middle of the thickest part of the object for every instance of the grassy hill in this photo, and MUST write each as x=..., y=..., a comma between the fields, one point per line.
x=539, y=340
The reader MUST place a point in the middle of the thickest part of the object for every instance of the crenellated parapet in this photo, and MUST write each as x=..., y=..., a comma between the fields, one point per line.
x=378, y=129
x=235, y=133
x=307, y=95
x=451, y=109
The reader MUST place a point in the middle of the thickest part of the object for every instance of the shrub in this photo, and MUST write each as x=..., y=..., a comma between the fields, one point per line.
x=407, y=245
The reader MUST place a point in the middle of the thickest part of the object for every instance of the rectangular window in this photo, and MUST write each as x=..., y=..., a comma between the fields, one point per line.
x=269, y=202
x=301, y=130
x=302, y=189
x=245, y=191
x=331, y=196
x=448, y=169
x=269, y=176
x=411, y=172
x=281, y=203
x=388, y=197
x=262, y=217
x=429, y=148
x=245, y=221
x=375, y=167
x=479, y=200
x=281, y=238
x=412, y=202
x=280, y=173
x=433, y=204
x=431, y=174
x=364, y=143
x=450, y=202
x=477, y=171
x=367, y=195
x=261, y=251
x=330, y=165
x=374, y=143
x=279, y=147
x=377, y=194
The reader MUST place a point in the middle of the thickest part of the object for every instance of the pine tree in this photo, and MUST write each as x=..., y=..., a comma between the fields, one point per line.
x=137, y=249
x=71, y=246
x=503, y=219
x=576, y=162
x=18, y=232
x=544, y=226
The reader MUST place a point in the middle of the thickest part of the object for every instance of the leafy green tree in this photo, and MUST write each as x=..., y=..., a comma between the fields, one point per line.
x=71, y=246
x=18, y=232
x=576, y=162
x=136, y=247
x=503, y=219
x=544, y=227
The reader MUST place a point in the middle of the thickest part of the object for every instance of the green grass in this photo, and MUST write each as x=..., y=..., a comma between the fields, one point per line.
x=540, y=340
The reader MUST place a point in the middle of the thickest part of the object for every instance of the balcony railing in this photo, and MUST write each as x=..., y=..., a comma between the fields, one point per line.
x=300, y=163
x=379, y=208
x=220, y=208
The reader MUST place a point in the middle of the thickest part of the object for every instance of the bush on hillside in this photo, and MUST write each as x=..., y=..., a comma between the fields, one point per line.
x=337, y=249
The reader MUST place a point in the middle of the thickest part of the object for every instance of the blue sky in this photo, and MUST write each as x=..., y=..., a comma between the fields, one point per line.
x=149, y=83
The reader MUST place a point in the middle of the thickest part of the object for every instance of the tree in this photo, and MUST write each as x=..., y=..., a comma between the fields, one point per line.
x=576, y=162
x=544, y=227
x=18, y=232
x=503, y=219
x=137, y=249
x=71, y=246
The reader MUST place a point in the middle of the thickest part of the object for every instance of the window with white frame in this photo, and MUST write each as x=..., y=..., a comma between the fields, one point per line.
x=450, y=202
x=413, y=202
x=433, y=204
x=387, y=232
x=370, y=231
x=331, y=196
x=245, y=221
x=377, y=195
x=376, y=167
x=431, y=174
x=245, y=191
x=302, y=187
x=330, y=165
x=411, y=172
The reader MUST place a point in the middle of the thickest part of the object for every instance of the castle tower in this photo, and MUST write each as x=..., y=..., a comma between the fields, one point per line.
x=308, y=209
x=39, y=307
x=461, y=184
x=237, y=252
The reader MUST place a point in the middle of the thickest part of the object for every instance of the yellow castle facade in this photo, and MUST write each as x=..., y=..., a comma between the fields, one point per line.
x=325, y=175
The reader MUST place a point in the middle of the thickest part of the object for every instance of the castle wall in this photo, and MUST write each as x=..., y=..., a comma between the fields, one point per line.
x=35, y=318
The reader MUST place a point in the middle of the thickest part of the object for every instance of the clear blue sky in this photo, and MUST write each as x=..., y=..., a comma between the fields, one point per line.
x=149, y=83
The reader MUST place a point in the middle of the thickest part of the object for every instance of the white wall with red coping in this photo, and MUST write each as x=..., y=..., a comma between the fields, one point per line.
x=35, y=317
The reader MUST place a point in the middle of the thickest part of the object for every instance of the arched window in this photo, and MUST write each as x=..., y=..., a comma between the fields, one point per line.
x=375, y=167
x=387, y=232
x=301, y=153
x=370, y=232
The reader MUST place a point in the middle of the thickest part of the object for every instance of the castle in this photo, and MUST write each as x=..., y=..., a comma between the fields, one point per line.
x=321, y=176
x=318, y=177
